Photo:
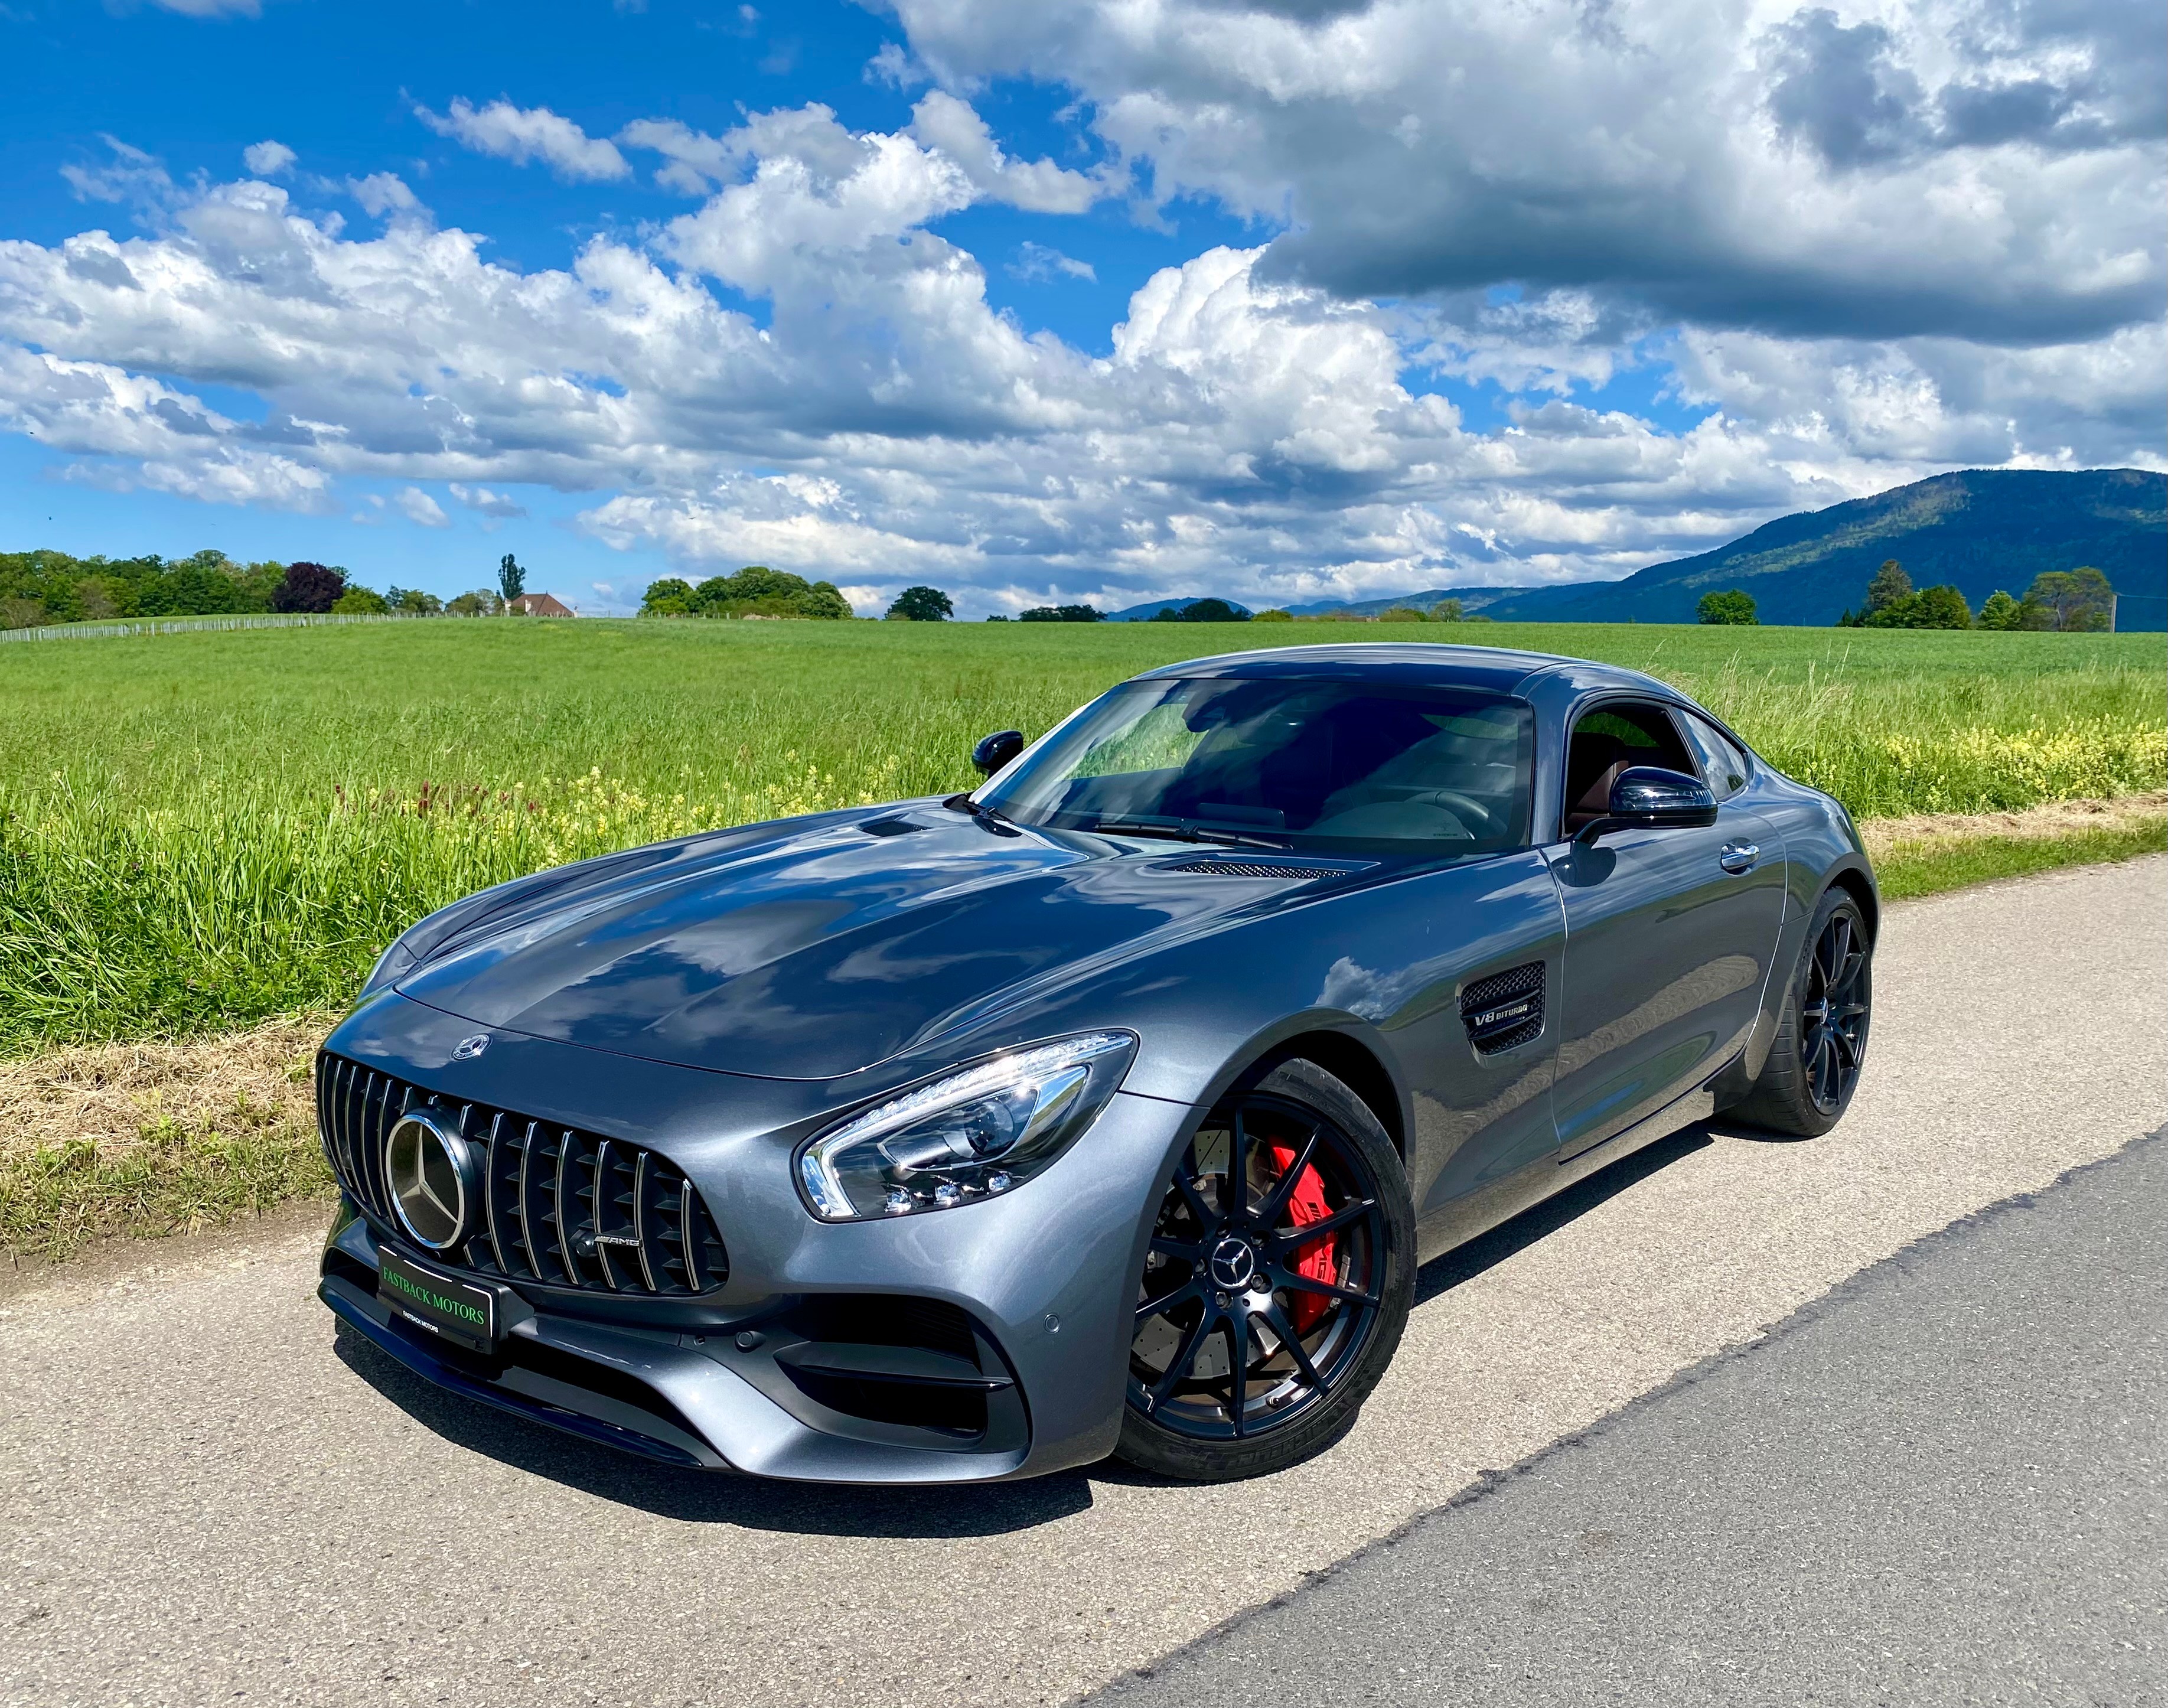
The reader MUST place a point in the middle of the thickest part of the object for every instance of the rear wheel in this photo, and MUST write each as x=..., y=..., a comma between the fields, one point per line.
x=1814, y=1065
x=1278, y=1281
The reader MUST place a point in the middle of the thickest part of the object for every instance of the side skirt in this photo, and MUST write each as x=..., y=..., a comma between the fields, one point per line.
x=1475, y=1214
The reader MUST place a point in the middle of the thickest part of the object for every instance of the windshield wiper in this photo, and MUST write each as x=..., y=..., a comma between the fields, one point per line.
x=1181, y=830
x=992, y=817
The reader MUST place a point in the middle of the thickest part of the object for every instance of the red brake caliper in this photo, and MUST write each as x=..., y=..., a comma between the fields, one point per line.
x=1319, y=1260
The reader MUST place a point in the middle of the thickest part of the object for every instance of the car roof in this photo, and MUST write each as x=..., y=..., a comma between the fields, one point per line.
x=1494, y=669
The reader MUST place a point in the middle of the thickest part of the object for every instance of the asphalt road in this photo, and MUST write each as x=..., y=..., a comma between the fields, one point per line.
x=201, y=1499
x=1945, y=1483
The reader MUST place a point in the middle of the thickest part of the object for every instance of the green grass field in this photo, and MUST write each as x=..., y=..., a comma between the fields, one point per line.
x=198, y=830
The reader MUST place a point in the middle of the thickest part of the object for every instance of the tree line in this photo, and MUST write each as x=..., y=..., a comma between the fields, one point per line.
x=2078, y=600
x=37, y=588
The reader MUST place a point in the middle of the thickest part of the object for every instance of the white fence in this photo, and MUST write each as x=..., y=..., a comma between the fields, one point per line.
x=179, y=625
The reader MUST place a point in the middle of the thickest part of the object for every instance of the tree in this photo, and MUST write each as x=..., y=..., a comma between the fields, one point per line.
x=511, y=578
x=1402, y=614
x=1273, y=616
x=1211, y=611
x=414, y=600
x=2071, y=600
x=922, y=604
x=1944, y=607
x=1890, y=585
x=310, y=588
x=757, y=591
x=669, y=596
x=1732, y=607
x=357, y=601
x=1939, y=607
x=1061, y=613
x=1447, y=611
x=479, y=602
x=2000, y=611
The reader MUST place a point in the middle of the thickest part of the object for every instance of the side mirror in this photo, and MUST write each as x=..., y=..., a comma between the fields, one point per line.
x=1648, y=797
x=997, y=749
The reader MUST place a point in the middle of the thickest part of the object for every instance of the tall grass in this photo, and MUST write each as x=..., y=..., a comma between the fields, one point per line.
x=200, y=830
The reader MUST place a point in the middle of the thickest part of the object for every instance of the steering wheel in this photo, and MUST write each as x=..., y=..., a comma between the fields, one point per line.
x=1468, y=807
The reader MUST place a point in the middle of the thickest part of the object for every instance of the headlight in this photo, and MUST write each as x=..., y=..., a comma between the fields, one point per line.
x=971, y=1135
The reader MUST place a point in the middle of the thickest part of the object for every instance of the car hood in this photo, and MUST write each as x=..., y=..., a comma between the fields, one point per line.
x=813, y=953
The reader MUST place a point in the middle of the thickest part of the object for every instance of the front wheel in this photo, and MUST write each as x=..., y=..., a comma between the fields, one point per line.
x=1814, y=1065
x=1278, y=1280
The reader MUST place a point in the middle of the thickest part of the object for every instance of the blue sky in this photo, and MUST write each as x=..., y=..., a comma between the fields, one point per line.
x=1106, y=302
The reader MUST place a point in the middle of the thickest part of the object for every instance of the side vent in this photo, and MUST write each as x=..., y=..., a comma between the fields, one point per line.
x=1505, y=1010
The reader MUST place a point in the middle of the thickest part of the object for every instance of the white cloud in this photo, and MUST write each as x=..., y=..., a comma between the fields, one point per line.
x=494, y=505
x=213, y=8
x=385, y=194
x=1037, y=261
x=418, y=507
x=1251, y=431
x=267, y=159
x=941, y=121
x=1989, y=169
x=522, y=134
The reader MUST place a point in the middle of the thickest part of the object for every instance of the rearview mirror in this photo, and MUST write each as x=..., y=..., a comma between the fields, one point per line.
x=997, y=750
x=1648, y=797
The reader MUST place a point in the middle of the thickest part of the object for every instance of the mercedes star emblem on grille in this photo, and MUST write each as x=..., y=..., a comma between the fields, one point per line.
x=468, y=1048
x=431, y=1173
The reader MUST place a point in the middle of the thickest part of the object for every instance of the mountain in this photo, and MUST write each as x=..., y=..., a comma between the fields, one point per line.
x=1472, y=600
x=1980, y=530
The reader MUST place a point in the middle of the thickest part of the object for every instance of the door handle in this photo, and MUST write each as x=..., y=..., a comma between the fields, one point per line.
x=1738, y=856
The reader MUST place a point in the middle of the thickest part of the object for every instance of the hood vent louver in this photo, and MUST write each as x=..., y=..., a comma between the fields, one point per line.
x=1257, y=868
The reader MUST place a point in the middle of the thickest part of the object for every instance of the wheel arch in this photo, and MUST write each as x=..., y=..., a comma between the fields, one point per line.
x=1856, y=883
x=1351, y=1061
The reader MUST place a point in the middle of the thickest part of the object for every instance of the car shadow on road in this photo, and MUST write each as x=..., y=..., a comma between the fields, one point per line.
x=1441, y=1274
x=712, y=1497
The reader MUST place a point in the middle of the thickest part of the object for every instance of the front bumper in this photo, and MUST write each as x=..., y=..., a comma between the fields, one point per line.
x=984, y=1343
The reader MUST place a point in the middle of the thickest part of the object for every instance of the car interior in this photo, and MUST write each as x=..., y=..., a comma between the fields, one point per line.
x=1605, y=742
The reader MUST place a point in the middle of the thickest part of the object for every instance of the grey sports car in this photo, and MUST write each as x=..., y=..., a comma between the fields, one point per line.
x=1108, y=1108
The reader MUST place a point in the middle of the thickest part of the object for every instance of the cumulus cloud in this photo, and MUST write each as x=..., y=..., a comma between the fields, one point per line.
x=416, y=506
x=940, y=121
x=521, y=135
x=1252, y=428
x=494, y=505
x=1764, y=167
x=267, y=159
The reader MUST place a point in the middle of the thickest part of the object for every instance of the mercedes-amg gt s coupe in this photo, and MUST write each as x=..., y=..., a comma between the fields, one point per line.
x=1108, y=1108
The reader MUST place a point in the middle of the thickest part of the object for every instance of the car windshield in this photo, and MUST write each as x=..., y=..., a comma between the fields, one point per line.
x=1285, y=762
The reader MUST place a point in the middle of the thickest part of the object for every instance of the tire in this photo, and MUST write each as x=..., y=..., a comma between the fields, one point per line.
x=1813, y=1064
x=1312, y=1340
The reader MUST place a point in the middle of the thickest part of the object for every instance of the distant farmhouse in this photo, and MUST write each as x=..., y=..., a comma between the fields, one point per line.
x=538, y=605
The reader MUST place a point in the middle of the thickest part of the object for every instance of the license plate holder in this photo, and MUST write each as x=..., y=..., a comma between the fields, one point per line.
x=458, y=1310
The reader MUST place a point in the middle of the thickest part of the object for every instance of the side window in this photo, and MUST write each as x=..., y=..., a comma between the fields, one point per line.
x=1617, y=734
x=1721, y=761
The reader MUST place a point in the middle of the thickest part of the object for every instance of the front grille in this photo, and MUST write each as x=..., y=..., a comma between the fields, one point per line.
x=1505, y=1010
x=1258, y=869
x=559, y=1207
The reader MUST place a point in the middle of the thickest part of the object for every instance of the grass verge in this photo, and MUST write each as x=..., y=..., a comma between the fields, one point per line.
x=1910, y=870
x=150, y=1139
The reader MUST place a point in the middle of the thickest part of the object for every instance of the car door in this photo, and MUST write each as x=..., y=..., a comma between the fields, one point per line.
x=1669, y=932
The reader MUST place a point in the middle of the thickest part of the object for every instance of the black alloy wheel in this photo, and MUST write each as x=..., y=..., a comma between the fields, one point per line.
x=1833, y=1015
x=1821, y=1046
x=1275, y=1285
